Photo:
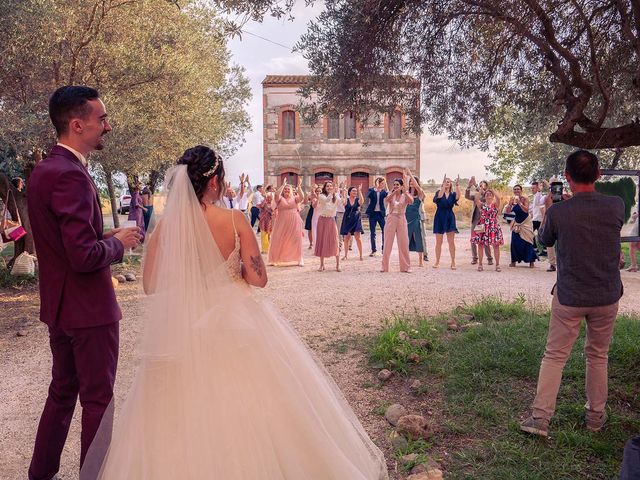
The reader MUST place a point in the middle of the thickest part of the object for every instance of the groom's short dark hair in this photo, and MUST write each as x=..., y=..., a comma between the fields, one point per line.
x=68, y=102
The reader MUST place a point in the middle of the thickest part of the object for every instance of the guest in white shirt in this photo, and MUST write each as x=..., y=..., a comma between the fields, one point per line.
x=230, y=198
x=342, y=194
x=243, y=194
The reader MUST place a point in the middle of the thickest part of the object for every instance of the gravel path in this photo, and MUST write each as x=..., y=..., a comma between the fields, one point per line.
x=327, y=309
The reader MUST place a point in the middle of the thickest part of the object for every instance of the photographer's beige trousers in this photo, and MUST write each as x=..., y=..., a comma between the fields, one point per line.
x=564, y=328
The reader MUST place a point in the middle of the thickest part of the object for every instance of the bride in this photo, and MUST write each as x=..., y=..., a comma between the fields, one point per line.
x=225, y=389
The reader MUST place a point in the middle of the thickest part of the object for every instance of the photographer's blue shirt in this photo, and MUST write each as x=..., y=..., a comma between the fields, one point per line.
x=586, y=232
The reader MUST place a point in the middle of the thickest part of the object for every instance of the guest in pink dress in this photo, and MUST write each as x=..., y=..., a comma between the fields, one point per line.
x=286, y=239
x=396, y=225
x=326, y=238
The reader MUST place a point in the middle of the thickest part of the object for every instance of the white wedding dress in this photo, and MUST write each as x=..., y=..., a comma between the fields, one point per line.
x=225, y=389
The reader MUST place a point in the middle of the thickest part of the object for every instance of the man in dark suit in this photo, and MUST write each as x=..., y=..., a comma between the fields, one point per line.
x=77, y=299
x=376, y=211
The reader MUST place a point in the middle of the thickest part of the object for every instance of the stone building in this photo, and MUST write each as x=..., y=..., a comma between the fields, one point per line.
x=339, y=147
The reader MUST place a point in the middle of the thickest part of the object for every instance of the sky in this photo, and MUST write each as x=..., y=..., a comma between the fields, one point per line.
x=261, y=57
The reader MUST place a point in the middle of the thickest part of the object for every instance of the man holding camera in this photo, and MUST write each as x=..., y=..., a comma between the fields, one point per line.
x=586, y=231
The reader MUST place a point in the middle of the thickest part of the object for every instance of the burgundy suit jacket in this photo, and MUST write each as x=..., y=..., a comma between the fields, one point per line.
x=73, y=257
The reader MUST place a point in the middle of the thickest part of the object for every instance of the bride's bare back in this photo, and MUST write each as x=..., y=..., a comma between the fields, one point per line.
x=221, y=226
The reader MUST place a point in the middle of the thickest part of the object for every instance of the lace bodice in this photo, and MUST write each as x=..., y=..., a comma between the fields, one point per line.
x=233, y=262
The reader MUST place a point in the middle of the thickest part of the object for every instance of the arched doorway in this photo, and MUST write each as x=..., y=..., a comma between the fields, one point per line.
x=322, y=177
x=292, y=178
x=360, y=179
x=391, y=176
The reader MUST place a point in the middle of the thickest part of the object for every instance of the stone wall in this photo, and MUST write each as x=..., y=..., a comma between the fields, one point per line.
x=312, y=152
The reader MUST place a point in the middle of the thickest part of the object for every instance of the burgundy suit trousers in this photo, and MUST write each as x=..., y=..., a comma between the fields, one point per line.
x=84, y=364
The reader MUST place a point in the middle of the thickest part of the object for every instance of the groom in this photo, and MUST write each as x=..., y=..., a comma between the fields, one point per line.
x=77, y=300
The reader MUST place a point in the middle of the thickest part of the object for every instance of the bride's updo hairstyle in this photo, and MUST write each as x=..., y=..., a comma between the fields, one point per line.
x=202, y=164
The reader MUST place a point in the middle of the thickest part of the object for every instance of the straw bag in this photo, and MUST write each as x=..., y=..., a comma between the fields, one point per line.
x=25, y=264
x=9, y=230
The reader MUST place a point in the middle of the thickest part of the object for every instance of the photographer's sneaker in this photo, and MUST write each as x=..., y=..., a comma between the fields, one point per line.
x=595, y=423
x=537, y=426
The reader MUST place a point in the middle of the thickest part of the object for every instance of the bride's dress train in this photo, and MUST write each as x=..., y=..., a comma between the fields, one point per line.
x=225, y=389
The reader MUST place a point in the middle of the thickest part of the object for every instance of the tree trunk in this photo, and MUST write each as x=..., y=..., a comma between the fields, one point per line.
x=616, y=137
x=108, y=175
x=616, y=158
x=17, y=204
x=154, y=178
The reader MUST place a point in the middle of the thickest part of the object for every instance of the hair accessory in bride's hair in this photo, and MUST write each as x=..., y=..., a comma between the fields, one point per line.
x=208, y=173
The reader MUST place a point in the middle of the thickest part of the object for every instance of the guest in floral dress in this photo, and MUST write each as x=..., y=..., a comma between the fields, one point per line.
x=488, y=232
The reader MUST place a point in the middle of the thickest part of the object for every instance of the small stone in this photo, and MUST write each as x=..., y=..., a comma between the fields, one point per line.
x=130, y=277
x=419, y=476
x=434, y=474
x=416, y=385
x=407, y=459
x=384, y=374
x=21, y=333
x=413, y=427
x=424, y=344
x=121, y=278
x=466, y=318
x=404, y=336
x=469, y=326
x=398, y=441
x=452, y=324
x=414, y=357
x=394, y=412
x=419, y=468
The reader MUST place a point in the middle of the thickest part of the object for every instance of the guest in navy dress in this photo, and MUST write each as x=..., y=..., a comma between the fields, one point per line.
x=522, y=236
x=444, y=221
x=352, y=221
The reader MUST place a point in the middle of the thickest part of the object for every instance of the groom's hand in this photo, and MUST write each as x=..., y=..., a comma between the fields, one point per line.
x=111, y=233
x=129, y=237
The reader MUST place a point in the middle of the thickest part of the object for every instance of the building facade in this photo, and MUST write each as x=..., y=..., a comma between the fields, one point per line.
x=338, y=147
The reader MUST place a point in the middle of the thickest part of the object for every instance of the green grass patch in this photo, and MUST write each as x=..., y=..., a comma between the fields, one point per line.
x=11, y=281
x=627, y=255
x=488, y=377
x=402, y=343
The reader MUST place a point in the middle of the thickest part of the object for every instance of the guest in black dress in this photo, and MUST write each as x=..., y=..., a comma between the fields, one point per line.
x=352, y=221
x=308, y=222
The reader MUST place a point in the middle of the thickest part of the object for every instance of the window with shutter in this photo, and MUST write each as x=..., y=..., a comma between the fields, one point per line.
x=289, y=124
x=395, y=125
x=350, y=125
x=333, y=127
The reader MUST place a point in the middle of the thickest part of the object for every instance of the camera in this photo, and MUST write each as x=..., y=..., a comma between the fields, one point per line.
x=556, y=189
